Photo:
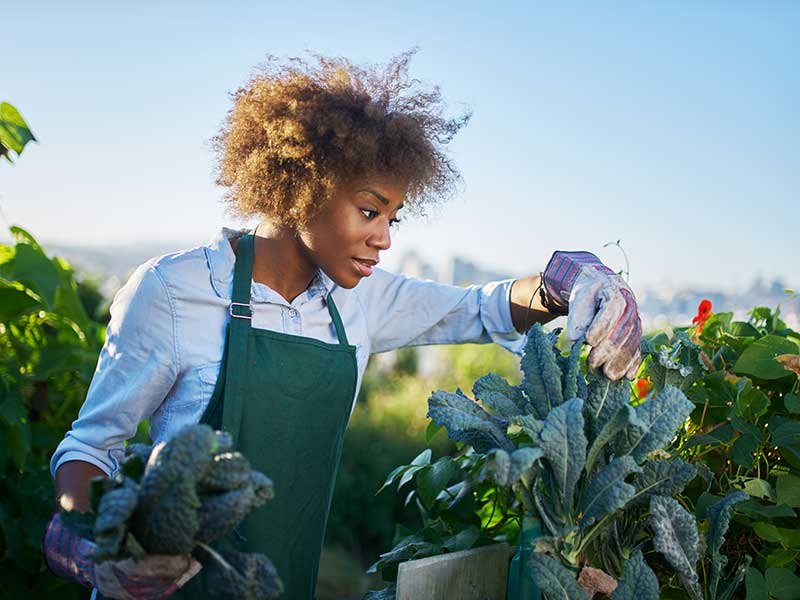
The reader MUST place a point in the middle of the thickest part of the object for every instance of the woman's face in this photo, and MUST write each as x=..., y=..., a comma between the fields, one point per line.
x=346, y=236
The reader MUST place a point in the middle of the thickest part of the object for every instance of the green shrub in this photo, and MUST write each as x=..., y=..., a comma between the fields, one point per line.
x=49, y=352
x=591, y=461
x=388, y=427
x=745, y=430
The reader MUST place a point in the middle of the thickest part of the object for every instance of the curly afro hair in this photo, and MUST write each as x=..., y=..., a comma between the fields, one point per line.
x=298, y=130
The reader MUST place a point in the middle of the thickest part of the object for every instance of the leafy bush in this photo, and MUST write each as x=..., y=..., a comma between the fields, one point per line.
x=387, y=428
x=742, y=378
x=49, y=352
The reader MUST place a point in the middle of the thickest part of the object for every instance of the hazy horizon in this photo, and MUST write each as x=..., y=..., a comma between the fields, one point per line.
x=672, y=127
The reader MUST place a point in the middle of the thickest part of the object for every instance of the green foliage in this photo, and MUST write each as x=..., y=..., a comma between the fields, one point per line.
x=554, y=579
x=14, y=131
x=675, y=536
x=638, y=580
x=388, y=427
x=744, y=428
x=49, y=352
x=589, y=468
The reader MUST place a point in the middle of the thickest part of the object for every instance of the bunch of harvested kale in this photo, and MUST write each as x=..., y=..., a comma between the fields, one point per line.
x=176, y=498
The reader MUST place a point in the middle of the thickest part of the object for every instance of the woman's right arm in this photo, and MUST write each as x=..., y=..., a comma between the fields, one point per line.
x=138, y=365
x=72, y=485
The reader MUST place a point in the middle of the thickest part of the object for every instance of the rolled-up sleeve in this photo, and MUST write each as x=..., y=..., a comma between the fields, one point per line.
x=138, y=365
x=405, y=311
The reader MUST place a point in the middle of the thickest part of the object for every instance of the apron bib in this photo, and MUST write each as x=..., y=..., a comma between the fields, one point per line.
x=286, y=400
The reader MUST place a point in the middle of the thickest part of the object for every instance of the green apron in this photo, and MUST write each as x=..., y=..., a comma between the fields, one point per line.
x=286, y=400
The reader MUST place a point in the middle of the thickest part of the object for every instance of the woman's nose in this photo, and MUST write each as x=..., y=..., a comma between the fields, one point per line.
x=382, y=239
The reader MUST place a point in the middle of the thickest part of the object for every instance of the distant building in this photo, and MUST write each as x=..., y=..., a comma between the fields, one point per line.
x=659, y=307
x=412, y=265
x=463, y=272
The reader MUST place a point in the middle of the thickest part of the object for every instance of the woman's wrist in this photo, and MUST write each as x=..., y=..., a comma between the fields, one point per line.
x=527, y=304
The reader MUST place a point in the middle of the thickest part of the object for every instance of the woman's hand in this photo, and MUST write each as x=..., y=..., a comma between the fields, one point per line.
x=599, y=304
x=69, y=556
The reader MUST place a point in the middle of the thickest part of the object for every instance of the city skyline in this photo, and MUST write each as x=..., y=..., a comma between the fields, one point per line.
x=660, y=306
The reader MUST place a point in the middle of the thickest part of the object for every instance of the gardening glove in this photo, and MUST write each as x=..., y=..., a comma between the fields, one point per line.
x=154, y=577
x=599, y=304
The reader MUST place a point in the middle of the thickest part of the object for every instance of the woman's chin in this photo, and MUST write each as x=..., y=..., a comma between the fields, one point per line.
x=347, y=281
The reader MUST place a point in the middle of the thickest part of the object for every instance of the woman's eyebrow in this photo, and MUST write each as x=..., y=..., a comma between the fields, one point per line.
x=383, y=199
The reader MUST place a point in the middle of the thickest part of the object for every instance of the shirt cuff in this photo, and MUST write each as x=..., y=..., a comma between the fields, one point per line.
x=495, y=311
x=107, y=460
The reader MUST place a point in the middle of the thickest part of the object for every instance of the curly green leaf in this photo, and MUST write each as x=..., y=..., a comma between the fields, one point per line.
x=638, y=581
x=564, y=444
x=677, y=539
x=554, y=579
x=500, y=396
x=662, y=478
x=607, y=491
x=661, y=417
x=719, y=517
x=467, y=422
x=542, y=381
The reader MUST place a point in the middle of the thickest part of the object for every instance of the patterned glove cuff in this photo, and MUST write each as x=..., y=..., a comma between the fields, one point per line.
x=561, y=273
x=548, y=302
x=68, y=555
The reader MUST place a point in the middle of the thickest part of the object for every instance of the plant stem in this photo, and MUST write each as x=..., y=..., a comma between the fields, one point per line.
x=592, y=532
x=491, y=516
x=216, y=556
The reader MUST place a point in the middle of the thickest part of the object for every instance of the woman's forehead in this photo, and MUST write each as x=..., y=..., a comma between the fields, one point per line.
x=389, y=192
x=387, y=202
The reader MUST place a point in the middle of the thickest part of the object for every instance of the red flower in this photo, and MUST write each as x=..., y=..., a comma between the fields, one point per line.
x=643, y=387
x=703, y=312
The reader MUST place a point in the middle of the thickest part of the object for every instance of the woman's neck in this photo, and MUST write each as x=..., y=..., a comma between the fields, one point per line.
x=279, y=261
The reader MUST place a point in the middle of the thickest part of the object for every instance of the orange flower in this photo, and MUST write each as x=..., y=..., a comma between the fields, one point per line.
x=703, y=312
x=643, y=387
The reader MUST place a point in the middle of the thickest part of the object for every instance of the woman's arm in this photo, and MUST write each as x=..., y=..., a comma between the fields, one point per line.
x=72, y=485
x=137, y=367
x=405, y=311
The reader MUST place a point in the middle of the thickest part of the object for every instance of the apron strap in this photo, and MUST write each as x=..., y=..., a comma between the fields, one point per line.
x=337, y=320
x=241, y=313
x=242, y=276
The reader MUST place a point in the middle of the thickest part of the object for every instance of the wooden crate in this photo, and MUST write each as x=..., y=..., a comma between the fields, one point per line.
x=477, y=574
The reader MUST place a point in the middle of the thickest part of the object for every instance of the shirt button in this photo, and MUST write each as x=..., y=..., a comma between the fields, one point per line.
x=292, y=313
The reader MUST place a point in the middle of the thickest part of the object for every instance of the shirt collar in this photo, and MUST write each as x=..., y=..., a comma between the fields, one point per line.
x=221, y=260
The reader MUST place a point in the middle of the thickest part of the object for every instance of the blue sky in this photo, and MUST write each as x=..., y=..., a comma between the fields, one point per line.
x=670, y=126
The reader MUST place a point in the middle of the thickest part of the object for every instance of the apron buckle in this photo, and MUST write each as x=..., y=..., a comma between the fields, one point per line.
x=249, y=307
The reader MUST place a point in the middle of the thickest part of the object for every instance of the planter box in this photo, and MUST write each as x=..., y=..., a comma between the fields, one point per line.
x=477, y=574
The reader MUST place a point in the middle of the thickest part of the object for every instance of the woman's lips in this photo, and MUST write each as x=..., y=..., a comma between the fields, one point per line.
x=363, y=268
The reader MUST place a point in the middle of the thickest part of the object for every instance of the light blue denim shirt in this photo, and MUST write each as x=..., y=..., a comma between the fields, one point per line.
x=164, y=341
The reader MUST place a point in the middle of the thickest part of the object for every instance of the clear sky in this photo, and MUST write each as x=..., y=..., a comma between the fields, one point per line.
x=672, y=126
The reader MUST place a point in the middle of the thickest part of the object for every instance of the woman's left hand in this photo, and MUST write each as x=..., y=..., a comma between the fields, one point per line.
x=599, y=304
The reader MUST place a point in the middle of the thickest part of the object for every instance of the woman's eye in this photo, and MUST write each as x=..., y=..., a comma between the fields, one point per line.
x=371, y=214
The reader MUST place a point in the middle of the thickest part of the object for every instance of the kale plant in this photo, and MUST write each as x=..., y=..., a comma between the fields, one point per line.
x=576, y=453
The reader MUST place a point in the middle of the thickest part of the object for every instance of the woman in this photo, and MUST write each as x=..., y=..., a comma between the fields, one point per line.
x=267, y=333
